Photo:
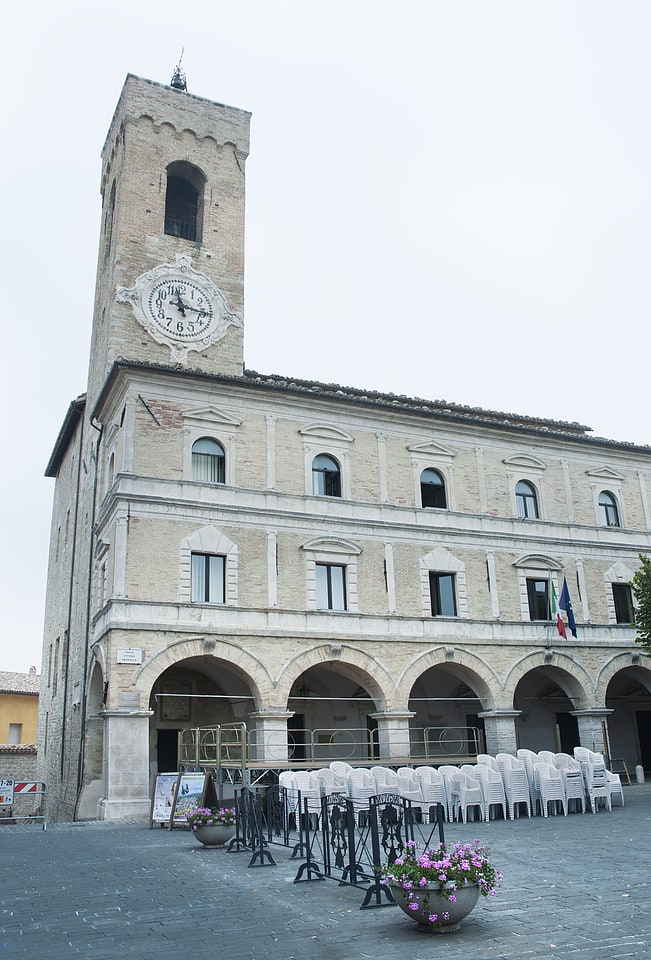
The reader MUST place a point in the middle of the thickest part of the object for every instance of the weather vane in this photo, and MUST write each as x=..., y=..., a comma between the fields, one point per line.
x=178, y=77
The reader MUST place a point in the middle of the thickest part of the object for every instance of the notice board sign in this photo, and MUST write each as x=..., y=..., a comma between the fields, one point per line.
x=6, y=791
x=188, y=795
x=162, y=797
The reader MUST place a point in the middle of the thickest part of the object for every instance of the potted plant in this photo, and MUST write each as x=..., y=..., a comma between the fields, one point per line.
x=212, y=826
x=440, y=886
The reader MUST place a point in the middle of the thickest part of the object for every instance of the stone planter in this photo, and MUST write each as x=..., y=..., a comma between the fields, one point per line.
x=449, y=915
x=214, y=834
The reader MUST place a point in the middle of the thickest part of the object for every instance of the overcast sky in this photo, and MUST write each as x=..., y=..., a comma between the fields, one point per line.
x=449, y=200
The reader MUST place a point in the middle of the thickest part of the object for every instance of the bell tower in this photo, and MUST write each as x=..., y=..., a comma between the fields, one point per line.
x=170, y=275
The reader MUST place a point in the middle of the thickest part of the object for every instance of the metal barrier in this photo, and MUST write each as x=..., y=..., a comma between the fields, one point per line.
x=346, y=840
x=232, y=750
x=23, y=801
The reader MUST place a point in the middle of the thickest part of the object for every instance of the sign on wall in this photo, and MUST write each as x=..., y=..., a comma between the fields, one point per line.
x=6, y=791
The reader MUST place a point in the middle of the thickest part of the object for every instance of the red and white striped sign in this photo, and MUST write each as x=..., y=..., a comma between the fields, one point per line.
x=28, y=788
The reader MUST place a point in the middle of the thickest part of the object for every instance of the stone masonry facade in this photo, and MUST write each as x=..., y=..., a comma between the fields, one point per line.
x=132, y=652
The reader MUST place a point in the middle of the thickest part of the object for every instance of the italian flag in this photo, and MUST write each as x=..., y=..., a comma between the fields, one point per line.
x=556, y=613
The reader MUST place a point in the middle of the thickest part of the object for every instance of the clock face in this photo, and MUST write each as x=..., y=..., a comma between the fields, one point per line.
x=180, y=308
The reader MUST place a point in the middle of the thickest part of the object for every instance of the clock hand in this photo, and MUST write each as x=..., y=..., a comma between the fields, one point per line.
x=178, y=303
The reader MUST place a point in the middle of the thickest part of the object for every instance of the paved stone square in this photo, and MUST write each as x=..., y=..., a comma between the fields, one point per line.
x=575, y=887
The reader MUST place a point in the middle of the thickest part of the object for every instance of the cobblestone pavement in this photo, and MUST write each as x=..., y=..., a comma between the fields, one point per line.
x=575, y=887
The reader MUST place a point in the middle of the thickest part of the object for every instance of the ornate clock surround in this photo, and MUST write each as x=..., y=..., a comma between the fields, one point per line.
x=196, y=319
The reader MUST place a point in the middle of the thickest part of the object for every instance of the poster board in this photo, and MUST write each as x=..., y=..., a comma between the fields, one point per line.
x=189, y=793
x=162, y=797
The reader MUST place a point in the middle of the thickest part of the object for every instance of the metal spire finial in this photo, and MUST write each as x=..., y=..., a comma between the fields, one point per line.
x=178, y=77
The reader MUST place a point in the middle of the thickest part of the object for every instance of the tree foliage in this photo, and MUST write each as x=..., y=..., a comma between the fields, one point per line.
x=641, y=585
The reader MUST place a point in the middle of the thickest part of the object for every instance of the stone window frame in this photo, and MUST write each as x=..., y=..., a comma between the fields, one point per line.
x=433, y=456
x=607, y=480
x=530, y=469
x=617, y=573
x=212, y=424
x=531, y=567
x=211, y=542
x=324, y=438
x=332, y=551
x=441, y=560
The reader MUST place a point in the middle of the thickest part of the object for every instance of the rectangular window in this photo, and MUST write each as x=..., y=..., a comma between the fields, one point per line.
x=15, y=732
x=442, y=590
x=330, y=586
x=624, y=612
x=208, y=577
x=538, y=596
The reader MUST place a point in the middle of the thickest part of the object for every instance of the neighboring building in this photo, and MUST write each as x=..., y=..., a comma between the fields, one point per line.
x=18, y=723
x=356, y=568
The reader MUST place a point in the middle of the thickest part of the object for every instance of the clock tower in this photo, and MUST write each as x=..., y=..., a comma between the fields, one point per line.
x=170, y=279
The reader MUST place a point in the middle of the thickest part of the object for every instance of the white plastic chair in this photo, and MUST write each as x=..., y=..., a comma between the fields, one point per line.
x=409, y=788
x=341, y=769
x=385, y=778
x=516, y=784
x=468, y=796
x=493, y=792
x=615, y=786
x=449, y=772
x=432, y=787
x=485, y=760
x=361, y=786
x=549, y=782
x=572, y=779
x=529, y=758
x=308, y=788
x=328, y=783
x=594, y=775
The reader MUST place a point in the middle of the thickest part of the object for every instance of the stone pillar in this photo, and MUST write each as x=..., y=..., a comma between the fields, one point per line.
x=500, y=731
x=126, y=765
x=393, y=734
x=593, y=729
x=270, y=741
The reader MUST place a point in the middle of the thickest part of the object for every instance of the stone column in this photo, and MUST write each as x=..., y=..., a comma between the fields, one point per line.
x=593, y=729
x=393, y=734
x=270, y=741
x=500, y=731
x=126, y=765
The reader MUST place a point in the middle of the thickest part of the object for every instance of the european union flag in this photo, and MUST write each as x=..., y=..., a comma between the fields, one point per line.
x=565, y=604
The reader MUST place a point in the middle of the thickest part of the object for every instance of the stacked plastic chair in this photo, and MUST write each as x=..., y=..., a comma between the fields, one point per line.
x=492, y=787
x=467, y=795
x=432, y=786
x=594, y=775
x=516, y=783
x=572, y=779
x=449, y=773
x=361, y=786
x=409, y=789
x=340, y=770
x=549, y=783
x=308, y=788
x=385, y=778
x=529, y=758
